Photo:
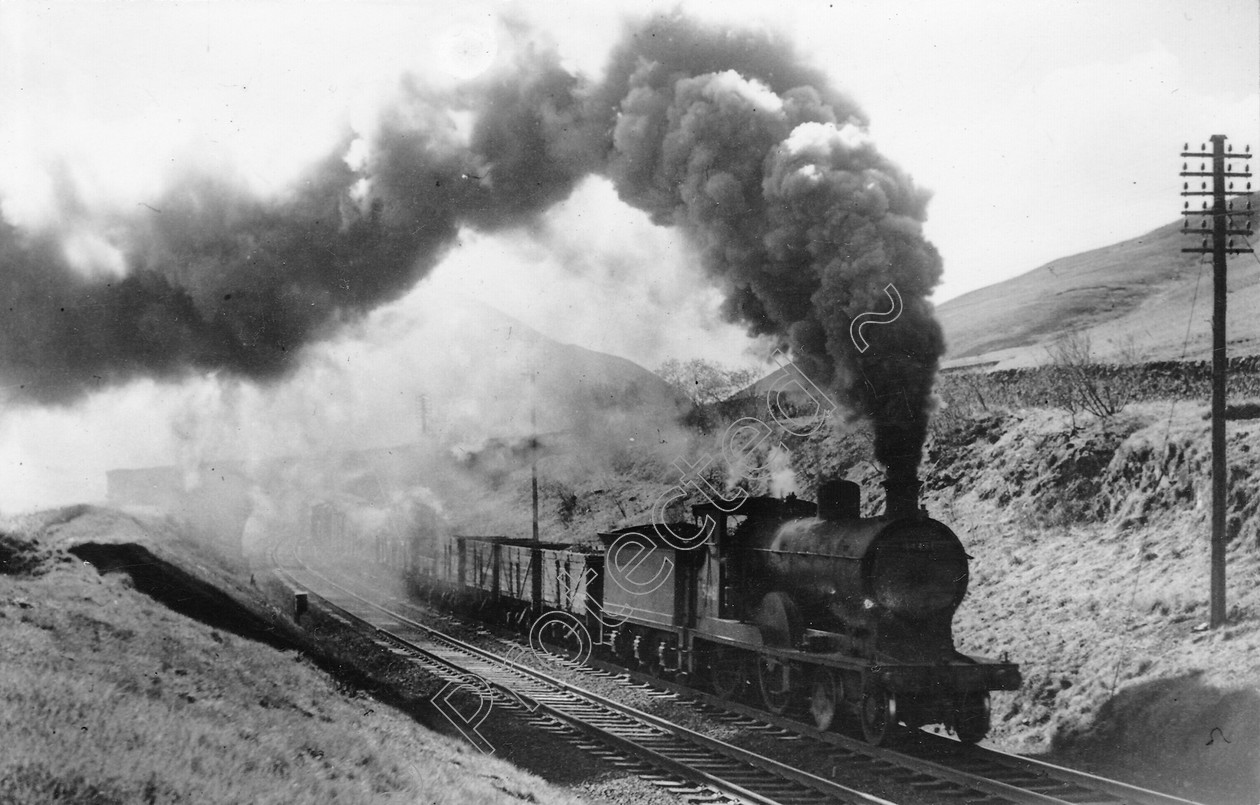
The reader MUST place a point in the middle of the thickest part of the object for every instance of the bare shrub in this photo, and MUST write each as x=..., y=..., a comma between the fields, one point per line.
x=568, y=499
x=1079, y=384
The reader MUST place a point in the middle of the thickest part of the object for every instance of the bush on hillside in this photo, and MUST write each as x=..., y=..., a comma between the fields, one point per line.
x=1078, y=384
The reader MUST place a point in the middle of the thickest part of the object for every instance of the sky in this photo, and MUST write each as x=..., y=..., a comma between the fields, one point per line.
x=1042, y=129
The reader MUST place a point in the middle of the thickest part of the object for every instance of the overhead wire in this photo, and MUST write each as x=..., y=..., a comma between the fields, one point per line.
x=1185, y=343
x=1141, y=548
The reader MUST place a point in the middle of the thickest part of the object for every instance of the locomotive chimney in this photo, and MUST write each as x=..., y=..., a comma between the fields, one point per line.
x=901, y=496
x=839, y=499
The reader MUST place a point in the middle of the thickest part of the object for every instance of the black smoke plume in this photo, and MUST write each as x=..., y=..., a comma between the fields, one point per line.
x=220, y=279
x=800, y=219
x=727, y=135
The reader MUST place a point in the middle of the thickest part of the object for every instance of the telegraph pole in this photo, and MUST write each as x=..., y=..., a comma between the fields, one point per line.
x=533, y=462
x=1222, y=215
x=535, y=554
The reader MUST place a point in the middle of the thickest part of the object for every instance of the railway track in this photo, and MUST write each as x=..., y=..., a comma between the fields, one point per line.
x=996, y=776
x=937, y=768
x=704, y=769
x=977, y=774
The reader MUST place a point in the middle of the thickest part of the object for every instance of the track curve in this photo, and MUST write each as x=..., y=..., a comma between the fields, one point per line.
x=733, y=772
x=937, y=767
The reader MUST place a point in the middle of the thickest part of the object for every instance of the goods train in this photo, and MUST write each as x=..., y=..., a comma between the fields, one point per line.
x=804, y=606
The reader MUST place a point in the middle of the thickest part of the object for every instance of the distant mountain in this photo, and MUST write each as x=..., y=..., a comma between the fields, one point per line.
x=1136, y=295
x=566, y=377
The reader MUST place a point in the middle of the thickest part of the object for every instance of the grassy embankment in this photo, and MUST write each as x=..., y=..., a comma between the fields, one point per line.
x=108, y=696
x=1090, y=567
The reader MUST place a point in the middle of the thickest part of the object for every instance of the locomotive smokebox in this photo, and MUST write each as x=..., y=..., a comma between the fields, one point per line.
x=839, y=500
x=901, y=497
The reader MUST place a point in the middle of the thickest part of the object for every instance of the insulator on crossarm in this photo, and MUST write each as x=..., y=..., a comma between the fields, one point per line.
x=1203, y=225
x=1230, y=148
x=1185, y=147
x=1202, y=146
x=1203, y=185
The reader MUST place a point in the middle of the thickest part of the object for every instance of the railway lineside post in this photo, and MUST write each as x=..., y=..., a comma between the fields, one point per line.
x=1222, y=215
x=535, y=554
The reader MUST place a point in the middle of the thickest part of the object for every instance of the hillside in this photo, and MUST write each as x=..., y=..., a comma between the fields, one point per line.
x=1091, y=565
x=133, y=681
x=1136, y=295
x=1089, y=549
x=559, y=373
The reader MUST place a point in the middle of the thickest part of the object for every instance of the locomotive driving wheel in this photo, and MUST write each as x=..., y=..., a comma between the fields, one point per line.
x=972, y=717
x=879, y=715
x=826, y=694
x=774, y=677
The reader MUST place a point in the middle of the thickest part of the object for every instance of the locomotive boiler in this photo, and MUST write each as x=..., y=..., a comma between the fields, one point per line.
x=894, y=581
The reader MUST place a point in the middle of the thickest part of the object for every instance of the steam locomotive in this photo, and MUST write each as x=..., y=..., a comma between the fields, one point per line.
x=805, y=606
